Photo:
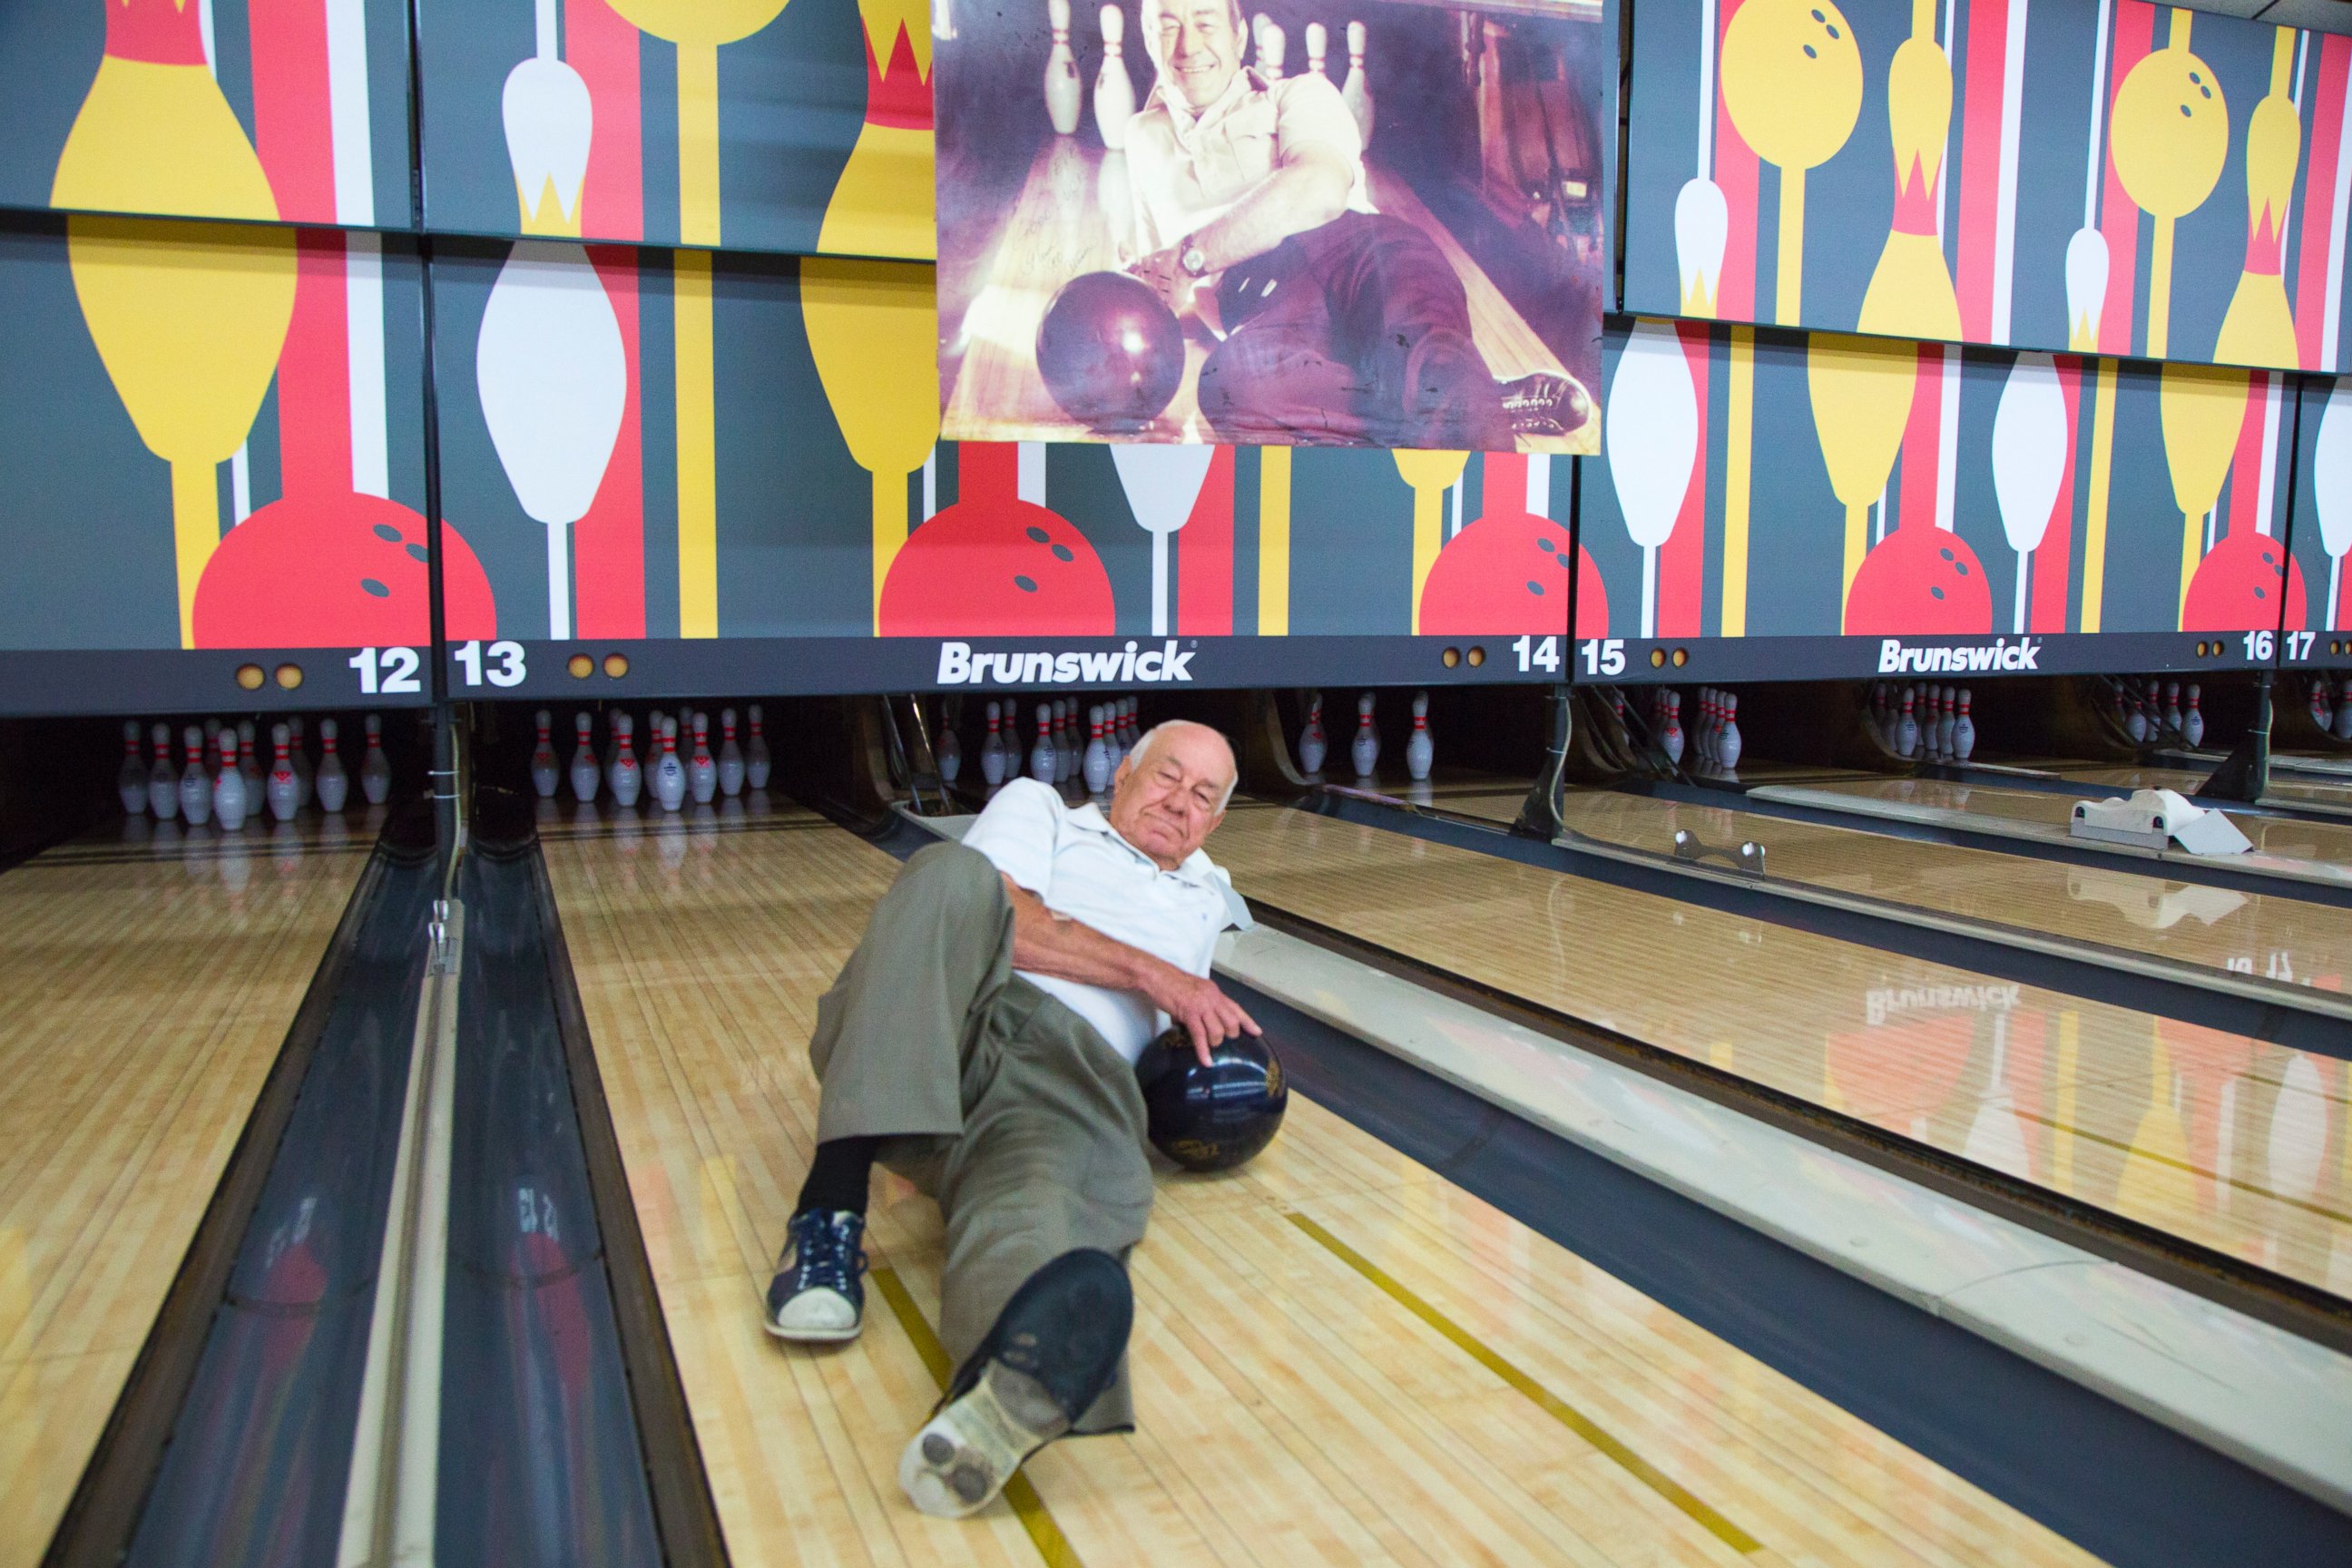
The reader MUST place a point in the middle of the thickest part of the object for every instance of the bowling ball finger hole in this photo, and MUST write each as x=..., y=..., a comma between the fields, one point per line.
x=374, y=589
x=1026, y=584
x=387, y=532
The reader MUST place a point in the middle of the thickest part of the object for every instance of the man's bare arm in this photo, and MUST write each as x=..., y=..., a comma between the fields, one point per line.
x=1046, y=943
x=1304, y=193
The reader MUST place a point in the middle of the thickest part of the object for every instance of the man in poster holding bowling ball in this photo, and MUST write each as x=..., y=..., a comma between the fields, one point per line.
x=1341, y=324
x=981, y=1042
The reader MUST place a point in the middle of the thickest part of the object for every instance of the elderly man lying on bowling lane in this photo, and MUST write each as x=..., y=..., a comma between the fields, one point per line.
x=980, y=1042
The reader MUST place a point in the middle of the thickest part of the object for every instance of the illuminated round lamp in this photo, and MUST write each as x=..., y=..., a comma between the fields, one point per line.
x=1451, y=659
x=1681, y=657
x=1657, y=658
x=580, y=667
x=249, y=676
x=1478, y=656
x=289, y=676
x=617, y=664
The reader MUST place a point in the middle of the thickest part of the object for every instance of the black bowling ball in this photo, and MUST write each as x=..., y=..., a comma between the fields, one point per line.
x=1211, y=1117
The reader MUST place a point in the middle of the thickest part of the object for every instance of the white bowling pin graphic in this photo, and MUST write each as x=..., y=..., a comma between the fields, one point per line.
x=2029, y=459
x=1653, y=444
x=702, y=768
x=1418, y=751
x=2192, y=723
x=130, y=782
x=755, y=753
x=1096, y=766
x=163, y=779
x=2331, y=490
x=376, y=768
x=584, y=772
x=229, y=798
x=545, y=775
x=730, y=756
x=1364, y=751
x=333, y=784
x=627, y=776
x=1963, y=733
x=949, y=754
x=1062, y=89
x=1313, y=744
x=1318, y=40
x=1114, y=93
x=1356, y=91
x=1042, y=761
x=303, y=775
x=669, y=773
x=283, y=792
x=992, y=750
x=195, y=782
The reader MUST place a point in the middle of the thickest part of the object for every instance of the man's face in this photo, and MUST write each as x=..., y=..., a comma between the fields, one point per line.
x=1167, y=802
x=1200, y=48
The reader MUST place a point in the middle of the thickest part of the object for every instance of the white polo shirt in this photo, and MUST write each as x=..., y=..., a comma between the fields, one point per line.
x=1187, y=170
x=1076, y=863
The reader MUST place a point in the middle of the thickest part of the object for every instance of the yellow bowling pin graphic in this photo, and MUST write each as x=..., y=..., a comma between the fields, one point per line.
x=1910, y=291
x=698, y=27
x=2169, y=139
x=882, y=205
x=2201, y=407
x=2259, y=328
x=1429, y=474
x=188, y=318
x=1861, y=390
x=873, y=329
x=1793, y=85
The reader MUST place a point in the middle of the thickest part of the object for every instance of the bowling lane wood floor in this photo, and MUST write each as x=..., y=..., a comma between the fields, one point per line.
x=150, y=987
x=2287, y=838
x=2222, y=1139
x=1293, y=1410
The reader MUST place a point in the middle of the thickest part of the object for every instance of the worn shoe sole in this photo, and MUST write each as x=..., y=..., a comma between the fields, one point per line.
x=816, y=1317
x=963, y=1456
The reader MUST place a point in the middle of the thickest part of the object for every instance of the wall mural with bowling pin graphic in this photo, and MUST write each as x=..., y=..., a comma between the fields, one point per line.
x=1784, y=504
x=851, y=546
x=2323, y=525
x=2083, y=175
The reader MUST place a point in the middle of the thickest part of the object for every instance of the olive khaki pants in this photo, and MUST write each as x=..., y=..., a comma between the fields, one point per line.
x=995, y=1099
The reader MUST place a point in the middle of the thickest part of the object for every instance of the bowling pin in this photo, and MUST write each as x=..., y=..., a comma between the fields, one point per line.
x=331, y=784
x=248, y=762
x=545, y=776
x=376, y=768
x=2342, y=729
x=130, y=782
x=1095, y=767
x=1727, y=747
x=730, y=756
x=1419, y=749
x=229, y=798
x=1114, y=743
x=1271, y=46
x=1313, y=745
x=2135, y=720
x=2172, y=707
x=1963, y=733
x=755, y=753
x=2192, y=723
x=624, y=731
x=1041, y=755
x=284, y=791
x=1068, y=753
x=992, y=750
x=702, y=768
x=1364, y=751
x=584, y=772
x=1672, y=737
x=669, y=773
x=303, y=774
x=1356, y=89
x=627, y=775
x=1907, y=729
x=196, y=783
x=1114, y=92
x=2321, y=712
x=1062, y=89
x=1319, y=39
x=163, y=779
x=949, y=754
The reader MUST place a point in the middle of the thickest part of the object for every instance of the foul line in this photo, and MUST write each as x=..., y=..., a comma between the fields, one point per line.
x=1028, y=1506
x=1550, y=1404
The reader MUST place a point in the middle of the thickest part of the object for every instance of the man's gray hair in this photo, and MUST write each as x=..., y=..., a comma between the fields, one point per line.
x=1143, y=749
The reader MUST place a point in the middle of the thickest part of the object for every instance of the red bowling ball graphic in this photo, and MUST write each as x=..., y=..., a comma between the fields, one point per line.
x=995, y=565
x=2237, y=587
x=1920, y=581
x=344, y=571
x=1507, y=574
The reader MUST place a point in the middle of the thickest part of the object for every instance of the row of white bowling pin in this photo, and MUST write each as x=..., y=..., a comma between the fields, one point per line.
x=2333, y=717
x=222, y=778
x=1114, y=89
x=2147, y=716
x=1713, y=741
x=1059, y=753
x=700, y=774
x=1364, y=749
x=1929, y=722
